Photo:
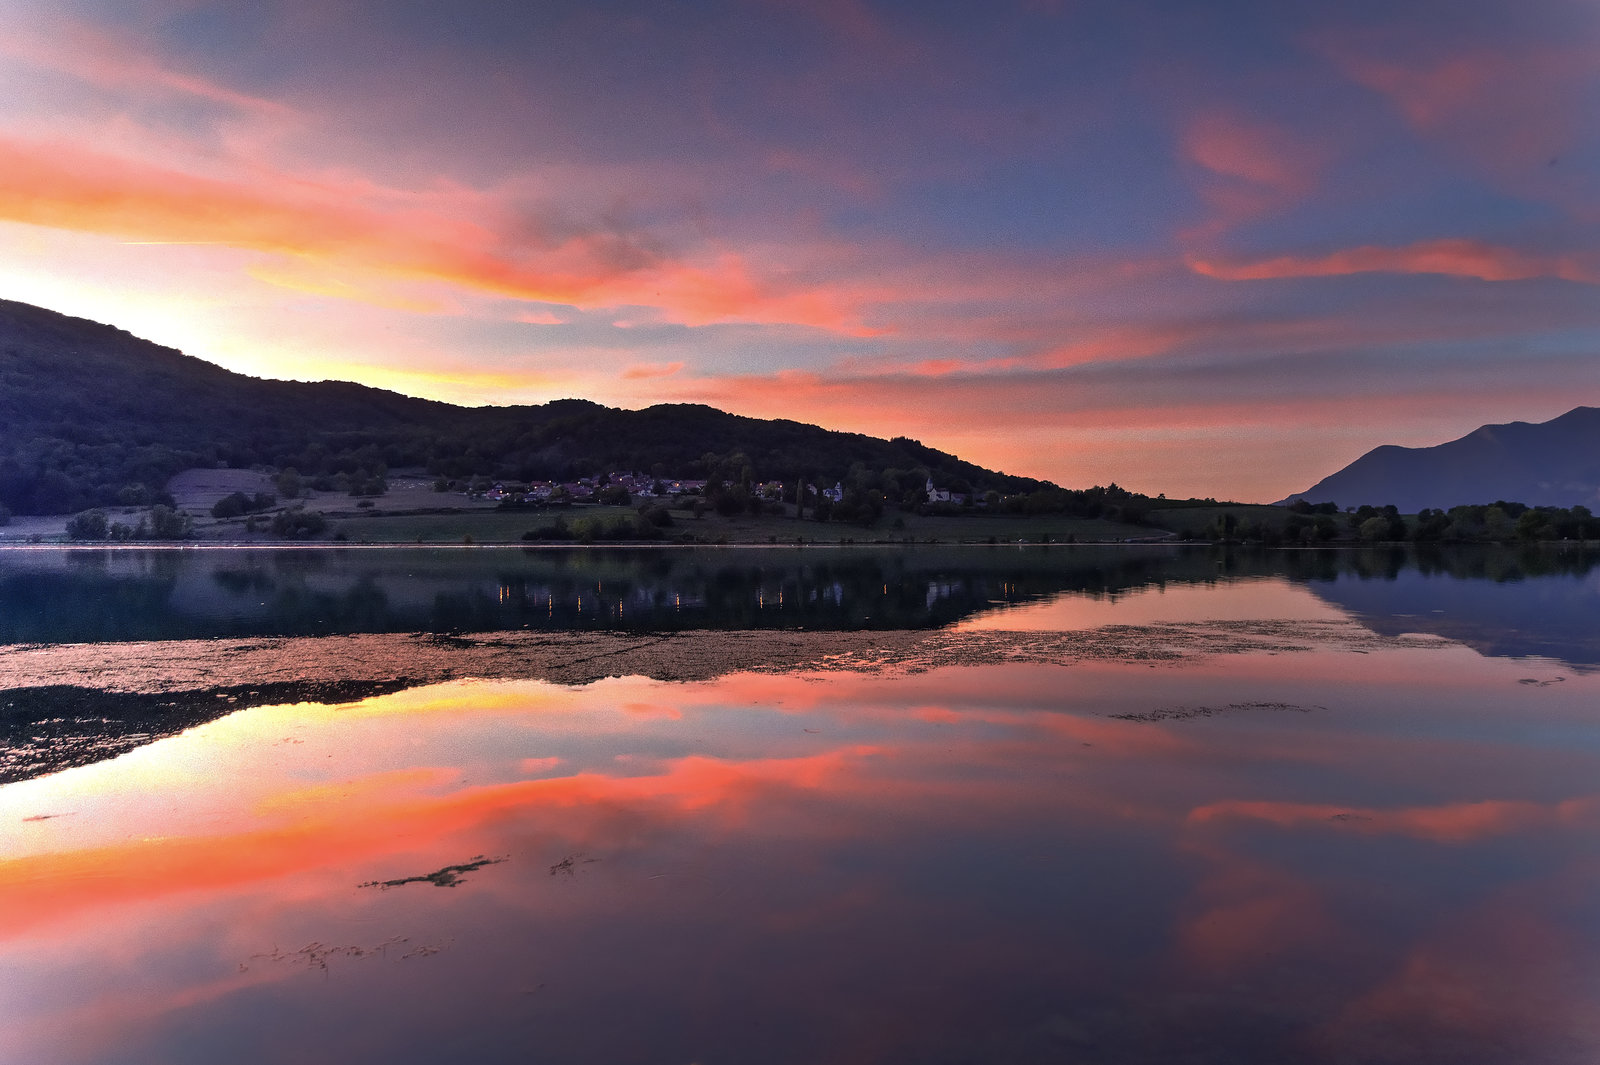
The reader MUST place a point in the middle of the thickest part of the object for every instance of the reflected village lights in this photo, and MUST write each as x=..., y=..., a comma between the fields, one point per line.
x=514, y=595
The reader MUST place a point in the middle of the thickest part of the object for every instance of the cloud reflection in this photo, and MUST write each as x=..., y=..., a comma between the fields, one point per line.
x=779, y=845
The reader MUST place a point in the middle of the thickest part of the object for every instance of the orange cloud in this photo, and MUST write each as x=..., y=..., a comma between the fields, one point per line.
x=642, y=370
x=298, y=275
x=66, y=187
x=1454, y=258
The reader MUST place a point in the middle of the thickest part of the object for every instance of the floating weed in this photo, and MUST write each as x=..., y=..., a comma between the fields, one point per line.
x=569, y=864
x=1186, y=713
x=317, y=955
x=449, y=876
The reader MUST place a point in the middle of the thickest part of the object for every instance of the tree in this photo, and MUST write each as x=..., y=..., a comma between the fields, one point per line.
x=169, y=524
x=1583, y=522
x=135, y=495
x=90, y=525
x=55, y=493
x=230, y=506
x=1497, y=524
x=288, y=483
x=1533, y=525
x=298, y=524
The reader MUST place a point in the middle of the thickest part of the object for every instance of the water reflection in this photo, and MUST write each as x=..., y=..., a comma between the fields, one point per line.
x=79, y=596
x=1236, y=859
x=1530, y=601
x=1515, y=613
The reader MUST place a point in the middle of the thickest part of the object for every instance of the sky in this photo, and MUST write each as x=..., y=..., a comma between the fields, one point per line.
x=1215, y=249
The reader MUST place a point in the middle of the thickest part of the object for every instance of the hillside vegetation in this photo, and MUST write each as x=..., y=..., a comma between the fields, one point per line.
x=94, y=416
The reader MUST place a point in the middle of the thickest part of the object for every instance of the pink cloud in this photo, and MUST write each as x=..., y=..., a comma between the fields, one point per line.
x=1249, y=166
x=1453, y=823
x=1513, y=111
x=644, y=370
x=539, y=318
x=82, y=51
x=1453, y=257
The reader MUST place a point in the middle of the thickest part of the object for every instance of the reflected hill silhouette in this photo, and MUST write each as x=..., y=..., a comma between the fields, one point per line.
x=1501, y=601
x=99, y=596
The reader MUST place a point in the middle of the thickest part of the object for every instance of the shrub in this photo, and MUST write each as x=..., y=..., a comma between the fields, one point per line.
x=90, y=525
x=298, y=524
x=288, y=483
x=169, y=524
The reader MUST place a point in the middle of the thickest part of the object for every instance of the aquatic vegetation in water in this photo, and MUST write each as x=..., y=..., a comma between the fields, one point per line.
x=1187, y=713
x=569, y=864
x=449, y=876
x=316, y=954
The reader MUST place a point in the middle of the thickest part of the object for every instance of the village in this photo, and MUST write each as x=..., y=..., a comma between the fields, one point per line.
x=621, y=488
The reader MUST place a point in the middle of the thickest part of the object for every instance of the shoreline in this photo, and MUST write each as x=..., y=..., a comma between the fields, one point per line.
x=535, y=545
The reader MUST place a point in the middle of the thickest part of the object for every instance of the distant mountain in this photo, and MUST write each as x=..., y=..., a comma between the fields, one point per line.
x=1553, y=463
x=91, y=415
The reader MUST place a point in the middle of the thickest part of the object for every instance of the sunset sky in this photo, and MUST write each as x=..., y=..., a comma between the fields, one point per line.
x=1201, y=249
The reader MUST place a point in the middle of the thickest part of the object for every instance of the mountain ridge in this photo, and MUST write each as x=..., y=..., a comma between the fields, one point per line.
x=95, y=415
x=1550, y=463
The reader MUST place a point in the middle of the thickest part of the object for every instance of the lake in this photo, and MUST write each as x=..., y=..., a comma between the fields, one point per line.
x=1083, y=804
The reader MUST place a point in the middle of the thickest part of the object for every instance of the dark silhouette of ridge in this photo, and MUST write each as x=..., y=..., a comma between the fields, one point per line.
x=90, y=413
x=1554, y=463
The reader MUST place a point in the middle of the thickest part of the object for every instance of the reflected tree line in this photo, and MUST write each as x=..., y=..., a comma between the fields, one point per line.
x=91, y=596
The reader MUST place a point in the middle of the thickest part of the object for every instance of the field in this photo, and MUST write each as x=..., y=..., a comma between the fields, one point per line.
x=1198, y=521
x=411, y=512
x=495, y=526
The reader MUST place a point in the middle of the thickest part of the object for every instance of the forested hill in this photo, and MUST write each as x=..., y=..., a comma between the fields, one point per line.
x=91, y=415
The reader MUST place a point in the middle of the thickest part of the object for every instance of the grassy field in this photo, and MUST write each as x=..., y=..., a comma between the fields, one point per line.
x=380, y=526
x=1198, y=521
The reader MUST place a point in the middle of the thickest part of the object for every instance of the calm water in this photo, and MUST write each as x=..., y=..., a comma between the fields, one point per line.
x=1535, y=601
x=1373, y=850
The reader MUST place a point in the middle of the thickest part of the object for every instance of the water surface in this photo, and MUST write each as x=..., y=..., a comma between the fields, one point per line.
x=1333, y=850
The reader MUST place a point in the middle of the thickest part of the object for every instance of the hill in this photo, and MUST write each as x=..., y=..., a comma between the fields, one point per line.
x=1554, y=463
x=95, y=416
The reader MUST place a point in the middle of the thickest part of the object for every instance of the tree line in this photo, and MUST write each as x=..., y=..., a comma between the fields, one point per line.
x=1497, y=522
